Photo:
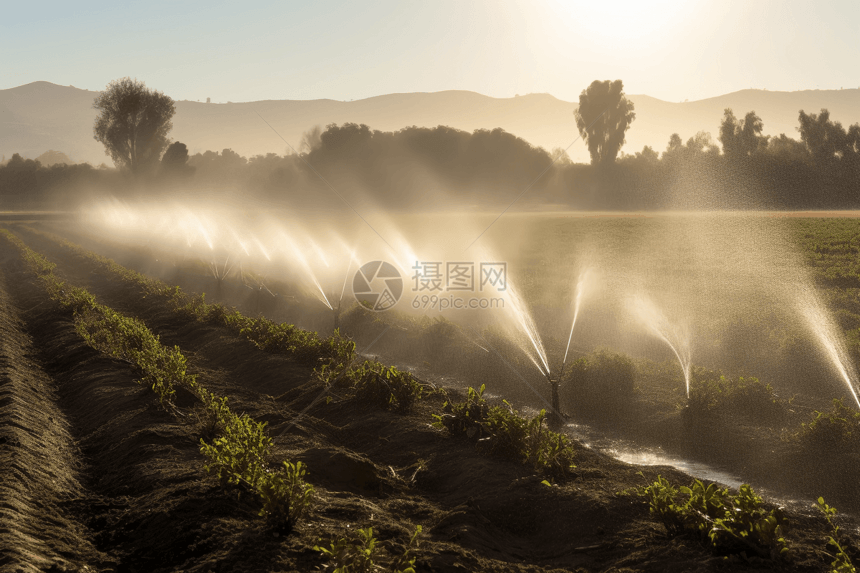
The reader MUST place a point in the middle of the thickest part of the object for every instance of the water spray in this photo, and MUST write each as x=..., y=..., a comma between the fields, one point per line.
x=817, y=319
x=677, y=339
x=220, y=273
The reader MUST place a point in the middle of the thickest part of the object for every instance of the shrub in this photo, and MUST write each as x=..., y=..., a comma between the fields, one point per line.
x=375, y=383
x=837, y=429
x=728, y=523
x=285, y=494
x=508, y=434
x=467, y=417
x=602, y=374
x=748, y=396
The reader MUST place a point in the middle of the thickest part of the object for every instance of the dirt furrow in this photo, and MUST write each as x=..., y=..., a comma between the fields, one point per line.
x=40, y=460
x=376, y=468
x=142, y=490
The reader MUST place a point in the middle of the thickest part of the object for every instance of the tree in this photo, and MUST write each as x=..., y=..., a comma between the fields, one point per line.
x=825, y=139
x=175, y=160
x=728, y=133
x=310, y=140
x=176, y=154
x=741, y=138
x=133, y=123
x=603, y=116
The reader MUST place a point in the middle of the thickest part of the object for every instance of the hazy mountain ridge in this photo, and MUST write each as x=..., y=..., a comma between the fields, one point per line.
x=40, y=116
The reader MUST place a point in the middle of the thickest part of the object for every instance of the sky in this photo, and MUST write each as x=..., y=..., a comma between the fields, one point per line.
x=674, y=50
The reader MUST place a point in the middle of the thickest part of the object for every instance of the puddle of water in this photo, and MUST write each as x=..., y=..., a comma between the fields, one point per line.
x=629, y=452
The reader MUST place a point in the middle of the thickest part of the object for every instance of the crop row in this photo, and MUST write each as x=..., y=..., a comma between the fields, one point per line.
x=515, y=437
x=240, y=451
x=267, y=335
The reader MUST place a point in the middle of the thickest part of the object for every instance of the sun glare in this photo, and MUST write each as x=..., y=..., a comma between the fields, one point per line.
x=622, y=24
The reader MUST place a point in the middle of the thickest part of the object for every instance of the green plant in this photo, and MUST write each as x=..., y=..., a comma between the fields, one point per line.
x=213, y=414
x=508, y=434
x=466, y=417
x=373, y=382
x=746, y=395
x=286, y=496
x=537, y=446
x=728, y=523
x=601, y=380
x=264, y=333
x=837, y=429
x=841, y=560
x=240, y=453
x=362, y=554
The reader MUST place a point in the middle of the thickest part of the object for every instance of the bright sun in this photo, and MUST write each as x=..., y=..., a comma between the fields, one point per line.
x=630, y=21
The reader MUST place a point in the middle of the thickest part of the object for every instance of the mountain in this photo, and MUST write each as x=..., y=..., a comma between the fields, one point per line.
x=40, y=116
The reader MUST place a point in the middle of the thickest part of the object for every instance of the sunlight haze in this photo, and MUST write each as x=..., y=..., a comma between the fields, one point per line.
x=666, y=49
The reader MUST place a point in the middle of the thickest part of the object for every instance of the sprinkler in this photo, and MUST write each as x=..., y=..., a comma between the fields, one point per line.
x=336, y=311
x=220, y=273
x=556, y=418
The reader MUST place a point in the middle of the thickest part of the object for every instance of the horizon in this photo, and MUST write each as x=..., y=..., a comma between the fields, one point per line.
x=442, y=91
x=671, y=50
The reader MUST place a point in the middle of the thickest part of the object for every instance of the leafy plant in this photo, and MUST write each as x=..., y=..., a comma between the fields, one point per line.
x=599, y=384
x=841, y=560
x=728, y=523
x=373, y=382
x=508, y=434
x=837, y=429
x=465, y=417
x=285, y=495
x=747, y=395
x=362, y=554
x=239, y=451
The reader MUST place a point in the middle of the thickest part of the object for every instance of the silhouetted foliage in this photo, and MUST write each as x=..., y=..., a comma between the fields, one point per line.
x=52, y=157
x=741, y=138
x=603, y=116
x=27, y=184
x=174, y=162
x=133, y=123
x=450, y=169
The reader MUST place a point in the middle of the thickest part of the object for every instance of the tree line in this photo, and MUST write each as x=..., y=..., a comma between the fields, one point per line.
x=442, y=167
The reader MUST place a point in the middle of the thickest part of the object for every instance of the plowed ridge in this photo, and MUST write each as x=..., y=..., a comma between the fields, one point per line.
x=40, y=461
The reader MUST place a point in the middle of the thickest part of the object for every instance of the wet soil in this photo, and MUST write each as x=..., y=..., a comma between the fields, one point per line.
x=123, y=488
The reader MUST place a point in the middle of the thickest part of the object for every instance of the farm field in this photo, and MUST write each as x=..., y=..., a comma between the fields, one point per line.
x=107, y=476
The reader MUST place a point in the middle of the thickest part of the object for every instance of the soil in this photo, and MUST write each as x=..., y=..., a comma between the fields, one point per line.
x=97, y=477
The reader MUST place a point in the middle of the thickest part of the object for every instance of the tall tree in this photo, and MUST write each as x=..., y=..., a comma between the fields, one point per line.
x=133, y=123
x=825, y=139
x=740, y=138
x=729, y=129
x=603, y=116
